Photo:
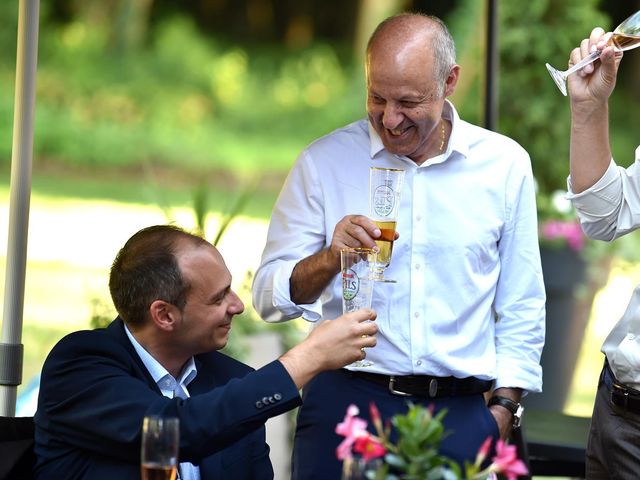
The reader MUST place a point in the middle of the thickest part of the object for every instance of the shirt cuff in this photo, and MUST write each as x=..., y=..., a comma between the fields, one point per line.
x=282, y=296
x=605, y=189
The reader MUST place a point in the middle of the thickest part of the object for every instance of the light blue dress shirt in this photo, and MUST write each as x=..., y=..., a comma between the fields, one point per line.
x=170, y=387
x=469, y=298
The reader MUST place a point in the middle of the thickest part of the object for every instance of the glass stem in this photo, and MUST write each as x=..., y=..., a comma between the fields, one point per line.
x=592, y=57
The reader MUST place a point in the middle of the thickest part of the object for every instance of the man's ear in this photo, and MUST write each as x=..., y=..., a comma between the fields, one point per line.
x=452, y=81
x=164, y=315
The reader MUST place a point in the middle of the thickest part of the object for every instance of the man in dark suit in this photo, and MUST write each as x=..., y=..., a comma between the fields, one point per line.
x=173, y=295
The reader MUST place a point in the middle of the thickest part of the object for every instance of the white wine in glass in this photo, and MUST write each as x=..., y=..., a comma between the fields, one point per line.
x=625, y=37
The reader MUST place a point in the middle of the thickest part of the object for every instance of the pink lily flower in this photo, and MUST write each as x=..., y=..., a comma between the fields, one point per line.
x=483, y=451
x=369, y=447
x=351, y=428
x=507, y=462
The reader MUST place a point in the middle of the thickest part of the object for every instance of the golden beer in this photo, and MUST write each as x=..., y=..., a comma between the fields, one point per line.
x=385, y=241
x=158, y=472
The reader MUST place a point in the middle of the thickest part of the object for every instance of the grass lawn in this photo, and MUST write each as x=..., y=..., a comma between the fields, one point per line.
x=73, y=240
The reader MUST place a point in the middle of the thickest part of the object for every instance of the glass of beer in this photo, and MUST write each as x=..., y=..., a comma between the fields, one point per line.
x=385, y=186
x=159, y=453
x=357, y=266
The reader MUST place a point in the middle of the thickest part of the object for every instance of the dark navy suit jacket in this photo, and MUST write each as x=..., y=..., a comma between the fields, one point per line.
x=95, y=391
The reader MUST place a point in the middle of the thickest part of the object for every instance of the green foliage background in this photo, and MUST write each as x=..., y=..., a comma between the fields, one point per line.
x=195, y=119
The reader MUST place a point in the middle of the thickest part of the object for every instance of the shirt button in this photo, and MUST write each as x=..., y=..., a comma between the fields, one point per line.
x=277, y=396
x=419, y=362
x=416, y=314
x=259, y=405
x=631, y=336
x=417, y=266
x=418, y=218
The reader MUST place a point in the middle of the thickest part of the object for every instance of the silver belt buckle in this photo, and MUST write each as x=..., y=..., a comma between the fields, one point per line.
x=433, y=388
x=392, y=381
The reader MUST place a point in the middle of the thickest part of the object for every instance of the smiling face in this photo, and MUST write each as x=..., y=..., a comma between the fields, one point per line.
x=404, y=97
x=211, y=304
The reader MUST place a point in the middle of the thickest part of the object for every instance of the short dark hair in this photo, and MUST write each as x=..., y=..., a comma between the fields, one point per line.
x=146, y=269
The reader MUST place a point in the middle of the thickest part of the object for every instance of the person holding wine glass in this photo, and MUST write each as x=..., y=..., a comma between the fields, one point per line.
x=607, y=200
x=466, y=311
x=159, y=358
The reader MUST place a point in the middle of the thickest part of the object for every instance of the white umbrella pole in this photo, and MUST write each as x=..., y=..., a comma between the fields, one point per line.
x=11, y=349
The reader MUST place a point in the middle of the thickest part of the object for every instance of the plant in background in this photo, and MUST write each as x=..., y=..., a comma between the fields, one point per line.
x=415, y=455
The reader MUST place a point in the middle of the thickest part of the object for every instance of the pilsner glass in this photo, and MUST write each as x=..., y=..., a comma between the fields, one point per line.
x=385, y=186
x=357, y=283
x=159, y=453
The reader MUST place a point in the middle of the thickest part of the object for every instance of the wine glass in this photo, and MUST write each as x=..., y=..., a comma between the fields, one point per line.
x=356, y=265
x=159, y=453
x=625, y=37
x=385, y=185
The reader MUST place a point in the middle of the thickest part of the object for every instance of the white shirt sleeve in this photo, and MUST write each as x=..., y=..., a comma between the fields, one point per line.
x=296, y=231
x=611, y=207
x=520, y=296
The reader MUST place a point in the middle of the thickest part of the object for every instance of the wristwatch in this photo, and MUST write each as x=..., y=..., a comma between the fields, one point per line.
x=515, y=408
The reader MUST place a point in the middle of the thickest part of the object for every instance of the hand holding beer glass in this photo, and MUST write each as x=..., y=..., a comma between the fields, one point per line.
x=385, y=185
x=159, y=453
x=357, y=266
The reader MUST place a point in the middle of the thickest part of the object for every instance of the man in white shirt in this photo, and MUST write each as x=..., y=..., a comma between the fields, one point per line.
x=607, y=200
x=468, y=305
x=172, y=291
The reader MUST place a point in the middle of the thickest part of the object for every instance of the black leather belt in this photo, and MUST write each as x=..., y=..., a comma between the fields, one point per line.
x=427, y=386
x=621, y=395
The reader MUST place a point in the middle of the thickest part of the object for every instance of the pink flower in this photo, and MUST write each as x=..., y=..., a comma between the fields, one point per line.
x=483, y=451
x=369, y=447
x=507, y=462
x=571, y=232
x=375, y=417
x=351, y=428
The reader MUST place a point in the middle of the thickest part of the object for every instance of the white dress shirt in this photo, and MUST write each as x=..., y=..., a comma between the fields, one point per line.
x=608, y=210
x=170, y=387
x=469, y=298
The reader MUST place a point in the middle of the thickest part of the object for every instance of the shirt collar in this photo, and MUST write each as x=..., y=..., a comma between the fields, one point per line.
x=156, y=370
x=455, y=143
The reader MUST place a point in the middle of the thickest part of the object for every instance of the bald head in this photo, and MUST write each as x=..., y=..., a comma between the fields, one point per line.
x=410, y=38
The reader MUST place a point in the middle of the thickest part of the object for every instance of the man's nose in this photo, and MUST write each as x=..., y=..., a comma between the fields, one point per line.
x=236, y=306
x=391, y=116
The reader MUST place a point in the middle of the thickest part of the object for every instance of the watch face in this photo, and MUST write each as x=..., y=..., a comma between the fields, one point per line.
x=517, y=417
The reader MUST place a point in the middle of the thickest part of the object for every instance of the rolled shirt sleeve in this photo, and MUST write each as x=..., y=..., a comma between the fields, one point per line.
x=611, y=207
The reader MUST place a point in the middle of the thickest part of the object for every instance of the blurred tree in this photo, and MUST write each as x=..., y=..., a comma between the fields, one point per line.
x=532, y=110
x=131, y=24
x=370, y=14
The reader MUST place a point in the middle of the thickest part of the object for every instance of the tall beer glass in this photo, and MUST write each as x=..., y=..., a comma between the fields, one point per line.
x=159, y=454
x=357, y=283
x=385, y=186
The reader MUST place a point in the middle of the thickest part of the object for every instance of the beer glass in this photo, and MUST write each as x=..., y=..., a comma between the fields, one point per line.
x=159, y=453
x=385, y=186
x=357, y=283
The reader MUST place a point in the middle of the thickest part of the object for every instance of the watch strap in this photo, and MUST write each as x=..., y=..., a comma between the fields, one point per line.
x=514, y=407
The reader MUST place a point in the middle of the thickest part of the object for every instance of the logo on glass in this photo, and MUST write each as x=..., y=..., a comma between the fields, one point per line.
x=383, y=200
x=350, y=284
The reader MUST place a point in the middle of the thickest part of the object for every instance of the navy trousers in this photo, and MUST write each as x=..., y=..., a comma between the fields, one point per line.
x=325, y=401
